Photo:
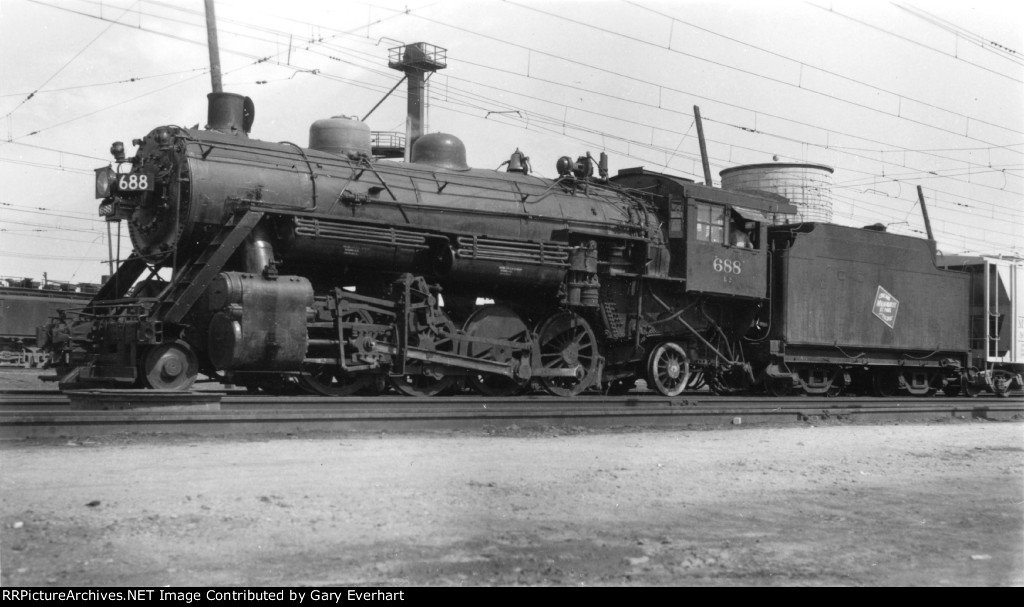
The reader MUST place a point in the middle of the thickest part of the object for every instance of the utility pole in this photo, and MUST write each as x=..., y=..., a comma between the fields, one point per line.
x=211, y=42
x=703, y=146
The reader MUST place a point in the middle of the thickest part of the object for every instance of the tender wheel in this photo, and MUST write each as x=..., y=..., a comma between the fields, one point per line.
x=1001, y=382
x=778, y=387
x=885, y=383
x=567, y=341
x=171, y=366
x=919, y=383
x=421, y=385
x=495, y=322
x=969, y=379
x=330, y=380
x=668, y=370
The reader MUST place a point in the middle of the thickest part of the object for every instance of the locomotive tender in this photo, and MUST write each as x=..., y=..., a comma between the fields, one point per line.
x=327, y=270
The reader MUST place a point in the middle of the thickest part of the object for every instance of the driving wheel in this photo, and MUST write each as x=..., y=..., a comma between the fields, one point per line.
x=495, y=322
x=331, y=380
x=567, y=341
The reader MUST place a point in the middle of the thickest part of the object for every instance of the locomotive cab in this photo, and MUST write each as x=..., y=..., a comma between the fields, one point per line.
x=724, y=252
x=716, y=237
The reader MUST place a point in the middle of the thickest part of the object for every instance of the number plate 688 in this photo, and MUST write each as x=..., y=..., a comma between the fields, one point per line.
x=135, y=182
x=727, y=266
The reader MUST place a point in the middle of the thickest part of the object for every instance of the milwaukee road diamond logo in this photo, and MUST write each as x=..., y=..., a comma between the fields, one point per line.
x=885, y=307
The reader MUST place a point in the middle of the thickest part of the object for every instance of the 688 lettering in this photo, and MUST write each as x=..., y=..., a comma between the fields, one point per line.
x=726, y=266
x=134, y=181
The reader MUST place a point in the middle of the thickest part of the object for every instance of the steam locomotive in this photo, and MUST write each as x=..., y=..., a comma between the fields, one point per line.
x=328, y=270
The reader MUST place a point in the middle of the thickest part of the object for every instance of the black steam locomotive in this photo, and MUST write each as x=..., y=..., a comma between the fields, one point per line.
x=327, y=270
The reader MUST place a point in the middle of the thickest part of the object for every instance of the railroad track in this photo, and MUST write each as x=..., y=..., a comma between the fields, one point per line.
x=39, y=415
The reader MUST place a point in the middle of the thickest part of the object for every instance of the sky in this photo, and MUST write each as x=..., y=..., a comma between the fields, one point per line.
x=891, y=95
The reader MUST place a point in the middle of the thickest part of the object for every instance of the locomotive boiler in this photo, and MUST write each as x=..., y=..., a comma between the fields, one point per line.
x=322, y=268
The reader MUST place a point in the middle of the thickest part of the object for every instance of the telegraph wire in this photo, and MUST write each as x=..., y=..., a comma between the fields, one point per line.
x=99, y=84
x=830, y=9
x=69, y=153
x=257, y=60
x=820, y=69
x=76, y=216
x=70, y=61
x=103, y=109
x=768, y=78
x=663, y=87
x=953, y=160
x=627, y=141
x=709, y=119
x=986, y=44
x=43, y=165
x=981, y=168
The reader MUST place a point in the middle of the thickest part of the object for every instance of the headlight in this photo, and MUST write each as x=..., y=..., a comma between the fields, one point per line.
x=104, y=179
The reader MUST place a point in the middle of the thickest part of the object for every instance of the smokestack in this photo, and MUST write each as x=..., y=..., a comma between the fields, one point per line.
x=229, y=113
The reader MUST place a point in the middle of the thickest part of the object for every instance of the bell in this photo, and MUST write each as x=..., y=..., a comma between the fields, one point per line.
x=518, y=163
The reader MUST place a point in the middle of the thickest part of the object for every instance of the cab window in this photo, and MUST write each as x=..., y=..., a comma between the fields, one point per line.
x=710, y=223
x=742, y=232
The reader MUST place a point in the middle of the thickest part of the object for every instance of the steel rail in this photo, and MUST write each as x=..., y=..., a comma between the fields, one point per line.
x=31, y=417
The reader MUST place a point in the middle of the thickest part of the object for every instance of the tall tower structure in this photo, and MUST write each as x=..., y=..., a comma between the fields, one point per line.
x=416, y=60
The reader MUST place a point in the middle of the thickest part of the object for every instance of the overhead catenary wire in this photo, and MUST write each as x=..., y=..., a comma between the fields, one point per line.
x=662, y=129
x=961, y=32
x=817, y=127
x=629, y=77
x=69, y=61
x=539, y=123
x=761, y=75
x=831, y=9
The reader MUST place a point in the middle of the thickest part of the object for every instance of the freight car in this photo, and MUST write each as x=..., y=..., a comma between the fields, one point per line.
x=996, y=319
x=24, y=305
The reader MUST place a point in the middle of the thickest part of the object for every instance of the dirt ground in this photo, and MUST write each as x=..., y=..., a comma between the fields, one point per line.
x=899, y=504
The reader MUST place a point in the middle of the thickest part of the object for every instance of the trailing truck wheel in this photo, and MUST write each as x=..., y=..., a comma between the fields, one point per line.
x=668, y=370
x=567, y=341
x=170, y=366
